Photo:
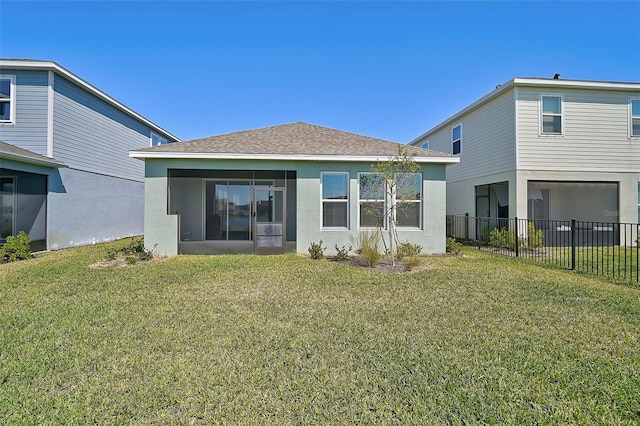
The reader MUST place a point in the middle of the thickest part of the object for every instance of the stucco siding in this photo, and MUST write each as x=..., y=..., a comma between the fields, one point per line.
x=91, y=135
x=29, y=128
x=595, y=134
x=488, y=140
x=104, y=208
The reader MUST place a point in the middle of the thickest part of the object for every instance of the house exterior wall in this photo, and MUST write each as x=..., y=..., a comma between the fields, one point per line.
x=89, y=208
x=93, y=136
x=595, y=136
x=100, y=196
x=488, y=140
x=163, y=229
x=29, y=129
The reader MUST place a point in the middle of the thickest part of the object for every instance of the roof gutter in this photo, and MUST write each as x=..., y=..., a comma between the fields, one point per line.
x=142, y=155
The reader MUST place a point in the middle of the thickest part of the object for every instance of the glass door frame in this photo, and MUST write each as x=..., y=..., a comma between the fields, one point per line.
x=257, y=249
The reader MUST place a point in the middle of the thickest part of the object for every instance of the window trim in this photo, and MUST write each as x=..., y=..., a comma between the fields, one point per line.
x=323, y=200
x=397, y=201
x=360, y=201
x=541, y=114
x=631, y=116
x=12, y=99
x=160, y=139
x=453, y=141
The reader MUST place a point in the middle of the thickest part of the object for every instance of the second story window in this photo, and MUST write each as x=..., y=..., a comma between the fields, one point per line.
x=551, y=114
x=7, y=98
x=456, y=139
x=634, y=116
x=156, y=140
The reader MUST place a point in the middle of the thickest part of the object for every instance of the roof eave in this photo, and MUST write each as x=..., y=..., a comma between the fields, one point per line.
x=527, y=82
x=142, y=155
x=53, y=66
x=30, y=160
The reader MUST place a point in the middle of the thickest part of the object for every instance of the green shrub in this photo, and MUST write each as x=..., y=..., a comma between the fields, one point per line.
x=16, y=248
x=453, y=246
x=342, y=253
x=369, y=250
x=504, y=238
x=134, y=252
x=131, y=260
x=316, y=251
x=534, y=237
x=409, y=250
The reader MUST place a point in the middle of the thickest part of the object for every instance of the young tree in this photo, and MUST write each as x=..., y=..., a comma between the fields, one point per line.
x=394, y=180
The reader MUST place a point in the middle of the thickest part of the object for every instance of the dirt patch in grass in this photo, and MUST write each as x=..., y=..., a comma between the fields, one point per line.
x=122, y=262
x=384, y=265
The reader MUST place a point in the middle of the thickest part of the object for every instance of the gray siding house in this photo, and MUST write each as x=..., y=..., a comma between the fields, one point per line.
x=280, y=188
x=65, y=175
x=545, y=149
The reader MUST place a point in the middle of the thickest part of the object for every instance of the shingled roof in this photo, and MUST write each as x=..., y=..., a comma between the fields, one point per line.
x=12, y=152
x=291, y=141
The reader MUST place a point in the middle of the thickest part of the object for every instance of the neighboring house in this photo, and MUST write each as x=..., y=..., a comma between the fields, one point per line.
x=281, y=188
x=545, y=149
x=66, y=177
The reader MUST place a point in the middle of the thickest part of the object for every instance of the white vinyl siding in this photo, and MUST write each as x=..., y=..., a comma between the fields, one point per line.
x=595, y=138
x=488, y=138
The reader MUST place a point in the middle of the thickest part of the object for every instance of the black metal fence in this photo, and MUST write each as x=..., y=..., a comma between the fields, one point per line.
x=606, y=249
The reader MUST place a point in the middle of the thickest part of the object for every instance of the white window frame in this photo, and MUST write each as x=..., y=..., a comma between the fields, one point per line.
x=541, y=114
x=161, y=140
x=12, y=99
x=360, y=201
x=397, y=201
x=631, y=116
x=453, y=141
x=331, y=200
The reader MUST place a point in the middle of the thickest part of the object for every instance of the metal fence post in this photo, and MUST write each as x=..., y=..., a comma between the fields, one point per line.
x=517, y=238
x=573, y=244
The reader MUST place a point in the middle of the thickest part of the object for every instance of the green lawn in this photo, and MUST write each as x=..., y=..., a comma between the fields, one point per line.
x=287, y=340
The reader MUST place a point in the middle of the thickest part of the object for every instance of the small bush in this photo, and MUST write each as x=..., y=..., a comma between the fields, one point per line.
x=411, y=262
x=504, y=238
x=316, y=251
x=342, y=253
x=408, y=250
x=370, y=248
x=16, y=248
x=453, y=246
x=133, y=253
x=534, y=237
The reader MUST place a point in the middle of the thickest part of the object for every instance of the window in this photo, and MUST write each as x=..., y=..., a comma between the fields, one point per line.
x=456, y=139
x=425, y=145
x=634, y=117
x=157, y=140
x=371, y=196
x=7, y=101
x=408, y=200
x=551, y=114
x=335, y=199
x=7, y=207
x=406, y=197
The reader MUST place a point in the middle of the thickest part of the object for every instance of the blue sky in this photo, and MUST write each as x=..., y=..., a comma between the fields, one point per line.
x=385, y=69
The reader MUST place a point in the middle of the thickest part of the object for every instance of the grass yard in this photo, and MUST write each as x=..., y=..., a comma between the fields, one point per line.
x=288, y=340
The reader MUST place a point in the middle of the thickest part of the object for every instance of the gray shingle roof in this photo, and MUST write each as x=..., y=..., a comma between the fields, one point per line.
x=13, y=152
x=293, y=139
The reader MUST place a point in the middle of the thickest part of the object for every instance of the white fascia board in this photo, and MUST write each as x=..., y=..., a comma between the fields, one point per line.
x=31, y=160
x=19, y=64
x=528, y=82
x=141, y=155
